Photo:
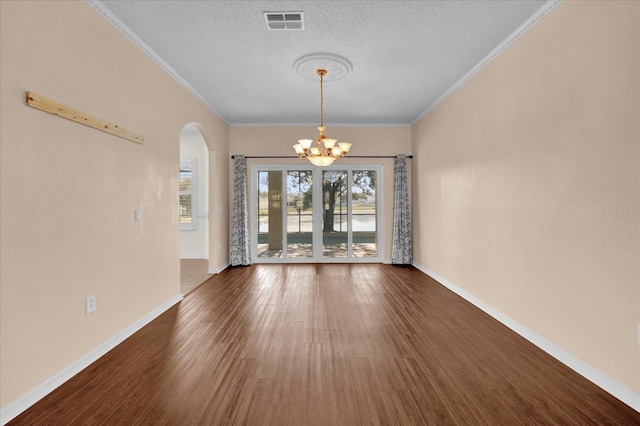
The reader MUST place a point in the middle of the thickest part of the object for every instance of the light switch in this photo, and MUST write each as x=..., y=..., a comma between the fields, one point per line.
x=138, y=215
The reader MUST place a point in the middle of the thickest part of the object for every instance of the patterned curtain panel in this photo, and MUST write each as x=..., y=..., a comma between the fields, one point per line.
x=239, y=245
x=401, y=249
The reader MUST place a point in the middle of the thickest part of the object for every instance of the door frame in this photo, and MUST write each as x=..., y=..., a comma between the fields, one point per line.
x=317, y=214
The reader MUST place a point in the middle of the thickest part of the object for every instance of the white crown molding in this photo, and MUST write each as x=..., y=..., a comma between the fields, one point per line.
x=14, y=409
x=109, y=16
x=539, y=14
x=571, y=361
x=116, y=22
x=316, y=124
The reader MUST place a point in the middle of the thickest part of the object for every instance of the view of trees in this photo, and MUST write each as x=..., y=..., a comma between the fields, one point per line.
x=346, y=200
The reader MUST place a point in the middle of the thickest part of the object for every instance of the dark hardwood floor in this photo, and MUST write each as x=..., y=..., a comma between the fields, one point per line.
x=326, y=345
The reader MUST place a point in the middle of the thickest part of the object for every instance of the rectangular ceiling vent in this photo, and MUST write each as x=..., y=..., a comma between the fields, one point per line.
x=284, y=20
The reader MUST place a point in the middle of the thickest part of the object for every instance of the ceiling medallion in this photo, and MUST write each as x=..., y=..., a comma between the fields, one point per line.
x=337, y=67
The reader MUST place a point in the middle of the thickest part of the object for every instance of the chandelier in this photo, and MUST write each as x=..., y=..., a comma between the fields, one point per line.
x=327, y=150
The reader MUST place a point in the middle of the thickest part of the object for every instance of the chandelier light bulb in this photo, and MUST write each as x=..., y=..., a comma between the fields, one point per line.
x=305, y=143
x=344, y=147
x=329, y=143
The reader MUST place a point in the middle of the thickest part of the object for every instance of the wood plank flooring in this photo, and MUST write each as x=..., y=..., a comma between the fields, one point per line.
x=326, y=345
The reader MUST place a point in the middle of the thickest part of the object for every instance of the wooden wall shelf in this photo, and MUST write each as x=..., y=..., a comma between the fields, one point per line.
x=52, y=107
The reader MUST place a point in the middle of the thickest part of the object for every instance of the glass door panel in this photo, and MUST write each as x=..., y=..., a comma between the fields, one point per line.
x=270, y=229
x=335, y=235
x=299, y=213
x=364, y=213
x=337, y=221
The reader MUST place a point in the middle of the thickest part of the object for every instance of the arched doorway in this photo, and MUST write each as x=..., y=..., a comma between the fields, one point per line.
x=194, y=208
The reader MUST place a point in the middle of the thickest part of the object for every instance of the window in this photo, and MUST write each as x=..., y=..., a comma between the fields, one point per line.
x=188, y=221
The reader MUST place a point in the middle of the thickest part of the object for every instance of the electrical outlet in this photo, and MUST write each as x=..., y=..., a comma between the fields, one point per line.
x=90, y=304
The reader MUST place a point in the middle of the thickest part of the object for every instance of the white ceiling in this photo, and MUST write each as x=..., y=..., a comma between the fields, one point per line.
x=406, y=55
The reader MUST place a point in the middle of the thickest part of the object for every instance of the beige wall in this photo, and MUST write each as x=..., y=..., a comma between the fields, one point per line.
x=257, y=141
x=514, y=175
x=69, y=191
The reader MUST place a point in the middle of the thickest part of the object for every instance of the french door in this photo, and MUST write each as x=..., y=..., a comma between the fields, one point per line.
x=311, y=214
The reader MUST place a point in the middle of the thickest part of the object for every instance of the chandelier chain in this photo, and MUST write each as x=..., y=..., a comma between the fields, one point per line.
x=321, y=101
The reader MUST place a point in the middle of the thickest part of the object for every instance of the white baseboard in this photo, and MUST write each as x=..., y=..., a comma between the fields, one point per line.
x=219, y=269
x=14, y=409
x=579, y=366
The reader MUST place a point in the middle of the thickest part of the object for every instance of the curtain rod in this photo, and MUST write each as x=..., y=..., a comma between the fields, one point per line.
x=348, y=156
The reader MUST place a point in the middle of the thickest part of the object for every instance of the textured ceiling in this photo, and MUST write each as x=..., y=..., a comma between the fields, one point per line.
x=406, y=55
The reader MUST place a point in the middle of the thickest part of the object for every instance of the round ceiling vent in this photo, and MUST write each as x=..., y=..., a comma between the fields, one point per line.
x=337, y=66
